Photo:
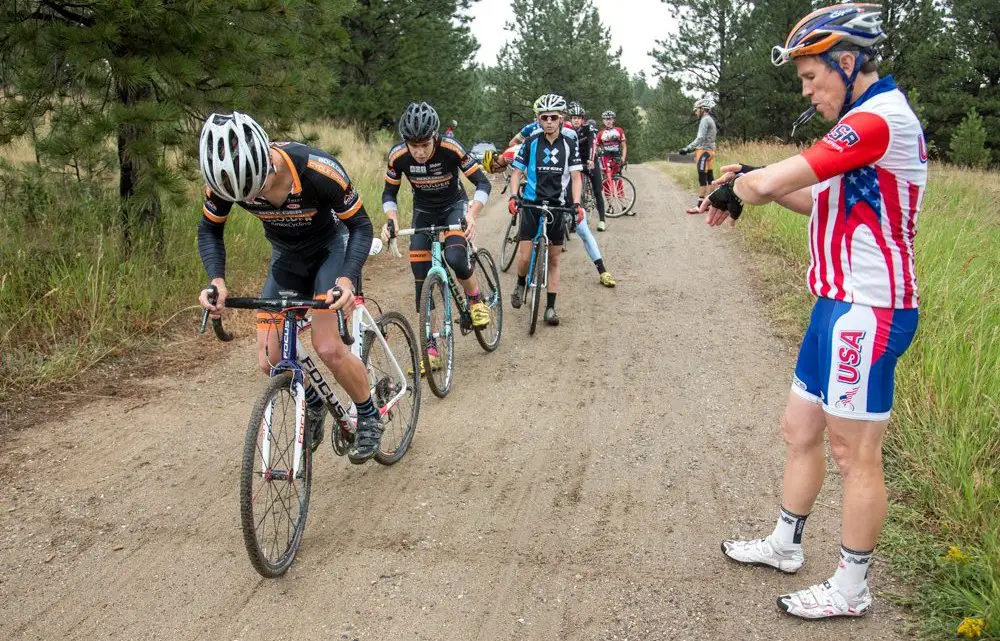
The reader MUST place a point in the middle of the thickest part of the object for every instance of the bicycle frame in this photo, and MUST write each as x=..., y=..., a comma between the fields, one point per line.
x=440, y=266
x=291, y=346
x=541, y=234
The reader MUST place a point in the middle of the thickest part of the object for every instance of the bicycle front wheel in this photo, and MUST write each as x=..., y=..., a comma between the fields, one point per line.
x=619, y=196
x=489, y=291
x=393, y=366
x=437, y=340
x=509, y=248
x=274, y=497
x=537, y=281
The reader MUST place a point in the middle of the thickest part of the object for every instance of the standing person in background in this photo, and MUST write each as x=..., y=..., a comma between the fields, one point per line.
x=703, y=146
x=612, y=144
x=862, y=186
x=588, y=152
x=450, y=131
x=549, y=161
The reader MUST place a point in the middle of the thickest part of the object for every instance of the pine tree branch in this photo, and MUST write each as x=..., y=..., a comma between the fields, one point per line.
x=69, y=16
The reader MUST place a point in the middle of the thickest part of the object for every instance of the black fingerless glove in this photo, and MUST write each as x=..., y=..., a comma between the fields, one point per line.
x=746, y=169
x=725, y=198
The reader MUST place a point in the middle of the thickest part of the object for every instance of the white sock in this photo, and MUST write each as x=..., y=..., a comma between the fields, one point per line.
x=851, y=576
x=788, y=530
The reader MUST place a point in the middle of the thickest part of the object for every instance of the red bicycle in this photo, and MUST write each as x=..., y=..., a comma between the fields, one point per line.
x=619, y=191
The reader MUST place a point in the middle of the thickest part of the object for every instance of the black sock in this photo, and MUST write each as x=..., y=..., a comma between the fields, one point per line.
x=522, y=281
x=600, y=265
x=367, y=408
x=550, y=299
x=312, y=398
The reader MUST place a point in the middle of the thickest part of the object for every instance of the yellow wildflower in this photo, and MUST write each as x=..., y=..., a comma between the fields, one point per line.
x=971, y=628
x=956, y=554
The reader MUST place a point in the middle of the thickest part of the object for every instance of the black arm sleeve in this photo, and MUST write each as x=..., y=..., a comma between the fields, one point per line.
x=211, y=245
x=212, y=248
x=393, y=179
x=358, y=245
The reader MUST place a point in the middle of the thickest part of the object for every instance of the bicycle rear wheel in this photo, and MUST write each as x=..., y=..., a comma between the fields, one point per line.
x=435, y=307
x=509, y=248
x=489, y=291
x=399, y=415
x=274, y=501
x=536, y=282
x=619, y=196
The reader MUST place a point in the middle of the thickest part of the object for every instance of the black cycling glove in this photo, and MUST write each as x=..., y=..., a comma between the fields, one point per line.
x=725, y=198
x=746, y=169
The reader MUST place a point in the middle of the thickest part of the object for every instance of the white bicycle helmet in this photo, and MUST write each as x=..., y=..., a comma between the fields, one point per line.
x=705, y=102
x=608, y=115
x=234, y=156
x=550, y=102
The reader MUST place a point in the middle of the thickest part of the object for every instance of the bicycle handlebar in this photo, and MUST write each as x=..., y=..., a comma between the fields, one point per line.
x=281, y=304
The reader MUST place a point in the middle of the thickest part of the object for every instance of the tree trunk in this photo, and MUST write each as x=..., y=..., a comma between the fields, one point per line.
x=140, y=207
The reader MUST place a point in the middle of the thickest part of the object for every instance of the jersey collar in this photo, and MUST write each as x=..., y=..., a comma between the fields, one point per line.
x=882, y=85
x=296, y=183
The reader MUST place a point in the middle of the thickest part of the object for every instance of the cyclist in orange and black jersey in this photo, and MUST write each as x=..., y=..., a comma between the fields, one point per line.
x=320, y=236
x=433, y=164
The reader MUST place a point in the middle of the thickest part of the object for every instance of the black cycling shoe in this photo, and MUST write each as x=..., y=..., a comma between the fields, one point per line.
x=517, y=296
x=314, y=425
x=366, y=440
x=551, y=317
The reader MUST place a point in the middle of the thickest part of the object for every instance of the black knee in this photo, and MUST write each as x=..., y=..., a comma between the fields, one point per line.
x=456, y=254
x=704, y=178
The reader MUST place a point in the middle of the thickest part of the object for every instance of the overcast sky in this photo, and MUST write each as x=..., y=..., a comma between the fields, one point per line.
x=635, y=26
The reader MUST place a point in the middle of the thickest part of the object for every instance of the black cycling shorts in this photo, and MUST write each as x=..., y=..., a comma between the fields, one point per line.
x=529, y=225
x=310, y=272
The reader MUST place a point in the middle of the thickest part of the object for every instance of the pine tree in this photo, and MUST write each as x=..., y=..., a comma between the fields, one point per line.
x=968, y=143
x=711, y=37
x=143, y=73
x=559, y=46
x=400, y=51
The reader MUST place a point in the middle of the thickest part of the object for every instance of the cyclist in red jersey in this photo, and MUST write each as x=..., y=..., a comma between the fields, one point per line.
x=612, y=144
x=862, y=187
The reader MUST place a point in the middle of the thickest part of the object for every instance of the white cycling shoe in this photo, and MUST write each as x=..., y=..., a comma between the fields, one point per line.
x=824, y=600
x=762, y=552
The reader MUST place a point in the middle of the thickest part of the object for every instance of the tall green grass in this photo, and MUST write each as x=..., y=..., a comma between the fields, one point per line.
x=72, y=293
x=943, y=446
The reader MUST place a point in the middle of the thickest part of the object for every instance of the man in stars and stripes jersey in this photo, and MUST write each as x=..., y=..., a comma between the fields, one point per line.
x=861, y=186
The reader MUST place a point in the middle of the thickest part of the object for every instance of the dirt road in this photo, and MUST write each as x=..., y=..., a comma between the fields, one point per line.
x=574, y=485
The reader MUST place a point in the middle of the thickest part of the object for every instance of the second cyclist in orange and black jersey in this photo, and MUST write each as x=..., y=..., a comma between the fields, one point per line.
x=319, y=233
x=436, y=182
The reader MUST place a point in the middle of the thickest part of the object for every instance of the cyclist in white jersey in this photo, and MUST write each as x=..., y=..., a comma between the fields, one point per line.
x=862, y=187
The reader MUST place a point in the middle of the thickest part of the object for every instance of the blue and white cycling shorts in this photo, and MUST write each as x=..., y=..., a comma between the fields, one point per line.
x=847, y=361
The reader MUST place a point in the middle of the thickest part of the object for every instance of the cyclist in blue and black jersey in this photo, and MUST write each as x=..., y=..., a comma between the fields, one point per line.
x=433, y=164
x=320, y=237
x=549, y=160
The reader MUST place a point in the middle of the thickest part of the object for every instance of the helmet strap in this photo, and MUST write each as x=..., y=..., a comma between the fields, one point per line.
x=834, y=62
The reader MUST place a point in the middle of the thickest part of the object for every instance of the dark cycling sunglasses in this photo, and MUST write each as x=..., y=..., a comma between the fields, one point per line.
x=549, y=117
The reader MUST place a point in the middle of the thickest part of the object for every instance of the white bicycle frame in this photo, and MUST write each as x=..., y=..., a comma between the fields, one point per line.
x=361, y=322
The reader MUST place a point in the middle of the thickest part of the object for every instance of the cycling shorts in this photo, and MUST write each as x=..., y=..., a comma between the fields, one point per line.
x=529, y=225
x=310, y=272
x=847, y=361
x=704, y=158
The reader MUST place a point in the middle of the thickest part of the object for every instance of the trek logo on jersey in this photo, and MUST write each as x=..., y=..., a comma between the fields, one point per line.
x=922, y=149
x=841, y=137
x=849, y=356
x=551, y=156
